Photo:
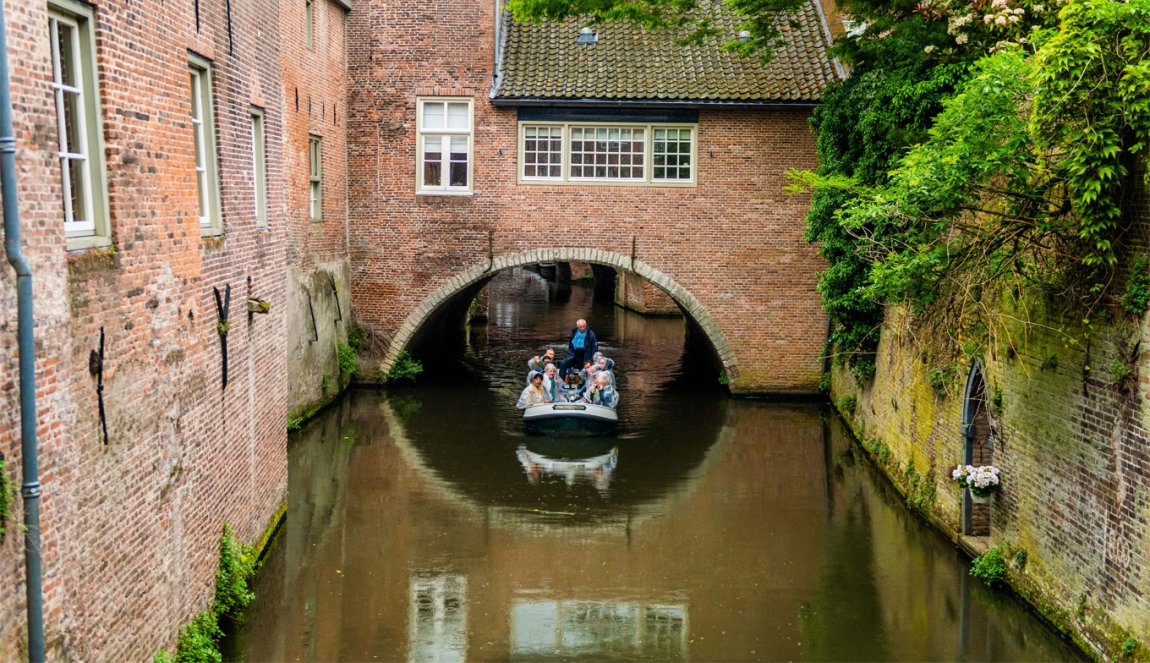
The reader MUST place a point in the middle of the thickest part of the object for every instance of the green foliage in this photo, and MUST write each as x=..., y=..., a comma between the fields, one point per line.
x=990, y=567
x=1137, y=295
x=348, y=359
x=294, y=423
x=996, y=399
x=356, y=335
x=1119, y=372
x=1129, y=647
x=863, y=125
x=764, y=19
x=237, y=566
x=878, y=450
x=1091, y=110
x=847, y=404
x=405, y=369
x=941, y=377
x=921, y=490
x=825, y=382
x=723, y=379
x=7, y=497
x=199, y=640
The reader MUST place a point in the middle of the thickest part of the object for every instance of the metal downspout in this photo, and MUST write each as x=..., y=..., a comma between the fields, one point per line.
x=30, y=489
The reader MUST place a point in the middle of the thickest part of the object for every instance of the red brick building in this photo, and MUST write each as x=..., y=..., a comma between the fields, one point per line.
x=333, y=161
x=162, y=155
x=478, y=144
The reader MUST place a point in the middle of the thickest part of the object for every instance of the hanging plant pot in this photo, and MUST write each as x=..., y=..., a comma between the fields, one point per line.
x=976, y=499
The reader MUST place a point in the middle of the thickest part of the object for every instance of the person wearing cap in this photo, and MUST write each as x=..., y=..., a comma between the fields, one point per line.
x=582, y=346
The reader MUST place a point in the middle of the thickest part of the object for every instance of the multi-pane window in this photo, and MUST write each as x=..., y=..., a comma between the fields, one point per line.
x=204, y=137
x=542, y=152
x=444, y=145
x=259, y=168
x=78, y=124
x=671, y=155
x=315, y=175
x=624, y=153
x=607, y=153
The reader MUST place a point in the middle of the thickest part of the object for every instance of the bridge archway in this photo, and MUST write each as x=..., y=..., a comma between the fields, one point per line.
x=487, y=269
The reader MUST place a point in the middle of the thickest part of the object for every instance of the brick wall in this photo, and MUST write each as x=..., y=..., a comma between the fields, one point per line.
x=734, y=241
x=130, y=528
x=1071, y=444
x=318, y=299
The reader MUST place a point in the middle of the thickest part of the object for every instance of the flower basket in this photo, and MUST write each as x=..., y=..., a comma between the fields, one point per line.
x=981, y=481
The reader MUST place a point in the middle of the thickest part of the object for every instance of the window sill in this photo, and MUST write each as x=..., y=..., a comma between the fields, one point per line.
x=462, y=194
x=87, y=243
x=642, y=184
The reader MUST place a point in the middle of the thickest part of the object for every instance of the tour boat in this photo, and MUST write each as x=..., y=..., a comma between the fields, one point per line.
x=570, y=419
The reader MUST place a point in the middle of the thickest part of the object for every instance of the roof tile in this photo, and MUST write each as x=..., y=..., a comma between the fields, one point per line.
x=543, y=61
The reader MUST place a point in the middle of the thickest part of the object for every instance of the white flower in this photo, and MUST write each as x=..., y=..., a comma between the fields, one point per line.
x=988, y=18
x=1020, y=11
x=1039, y=8
x=998, y=4
x=962, y=39
x=1001, y=20
x=929, y=48
x=1013, y=19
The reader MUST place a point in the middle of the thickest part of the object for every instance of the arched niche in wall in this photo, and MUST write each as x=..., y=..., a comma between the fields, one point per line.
x=978, y=448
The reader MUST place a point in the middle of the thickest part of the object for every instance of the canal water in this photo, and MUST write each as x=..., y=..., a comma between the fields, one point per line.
x=424, y=525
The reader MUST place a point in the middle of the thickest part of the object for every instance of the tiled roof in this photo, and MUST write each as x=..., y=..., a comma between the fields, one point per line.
x=632, y=63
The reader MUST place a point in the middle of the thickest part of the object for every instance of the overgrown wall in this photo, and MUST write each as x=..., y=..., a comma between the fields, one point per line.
x=1069, y=435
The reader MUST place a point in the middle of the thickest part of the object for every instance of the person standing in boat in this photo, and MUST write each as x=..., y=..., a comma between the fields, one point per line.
x=581, y=347
x=602, y=393
x=532, y=393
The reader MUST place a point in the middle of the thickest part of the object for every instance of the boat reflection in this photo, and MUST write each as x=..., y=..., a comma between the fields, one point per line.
x=597, y=630
x=580, y=462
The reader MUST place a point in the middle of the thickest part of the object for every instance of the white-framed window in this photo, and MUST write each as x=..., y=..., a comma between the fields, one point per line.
x=607, y=153
x=204, y=137
x=75, y=91
x=315, y=177
x=444, y=143
x=259, y=168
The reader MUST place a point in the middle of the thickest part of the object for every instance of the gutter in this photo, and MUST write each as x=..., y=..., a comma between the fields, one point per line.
x=30, y=489
x=513, y=102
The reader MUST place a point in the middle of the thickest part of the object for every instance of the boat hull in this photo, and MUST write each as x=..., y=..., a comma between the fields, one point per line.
x=570, y=419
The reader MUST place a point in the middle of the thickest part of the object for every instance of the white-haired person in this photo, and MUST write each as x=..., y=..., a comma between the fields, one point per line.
x=602, y=393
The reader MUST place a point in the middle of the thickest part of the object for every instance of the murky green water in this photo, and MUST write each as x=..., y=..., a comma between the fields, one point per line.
x=423, y=525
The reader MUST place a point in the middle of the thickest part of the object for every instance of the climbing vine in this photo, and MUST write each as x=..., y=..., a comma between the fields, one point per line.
x=1020, y=181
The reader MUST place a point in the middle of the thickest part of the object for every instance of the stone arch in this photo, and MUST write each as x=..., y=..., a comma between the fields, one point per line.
x=690, y=305
x=977, y=448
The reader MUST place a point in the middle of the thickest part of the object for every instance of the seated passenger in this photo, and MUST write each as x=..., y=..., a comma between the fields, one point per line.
x=533, y=392
x=602, y=393
x=610, y=362
x=604, y=367
x=552, y=389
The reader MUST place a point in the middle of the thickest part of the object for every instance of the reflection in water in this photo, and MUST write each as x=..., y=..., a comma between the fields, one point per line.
x=438, y=619
x=596, y=470
x=413, y=533
x=597, y=629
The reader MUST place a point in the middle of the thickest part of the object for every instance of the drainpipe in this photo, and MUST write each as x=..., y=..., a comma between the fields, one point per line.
x=30, y=489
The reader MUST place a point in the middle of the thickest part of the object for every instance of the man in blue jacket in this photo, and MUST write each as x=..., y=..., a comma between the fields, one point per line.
x=582, y=346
